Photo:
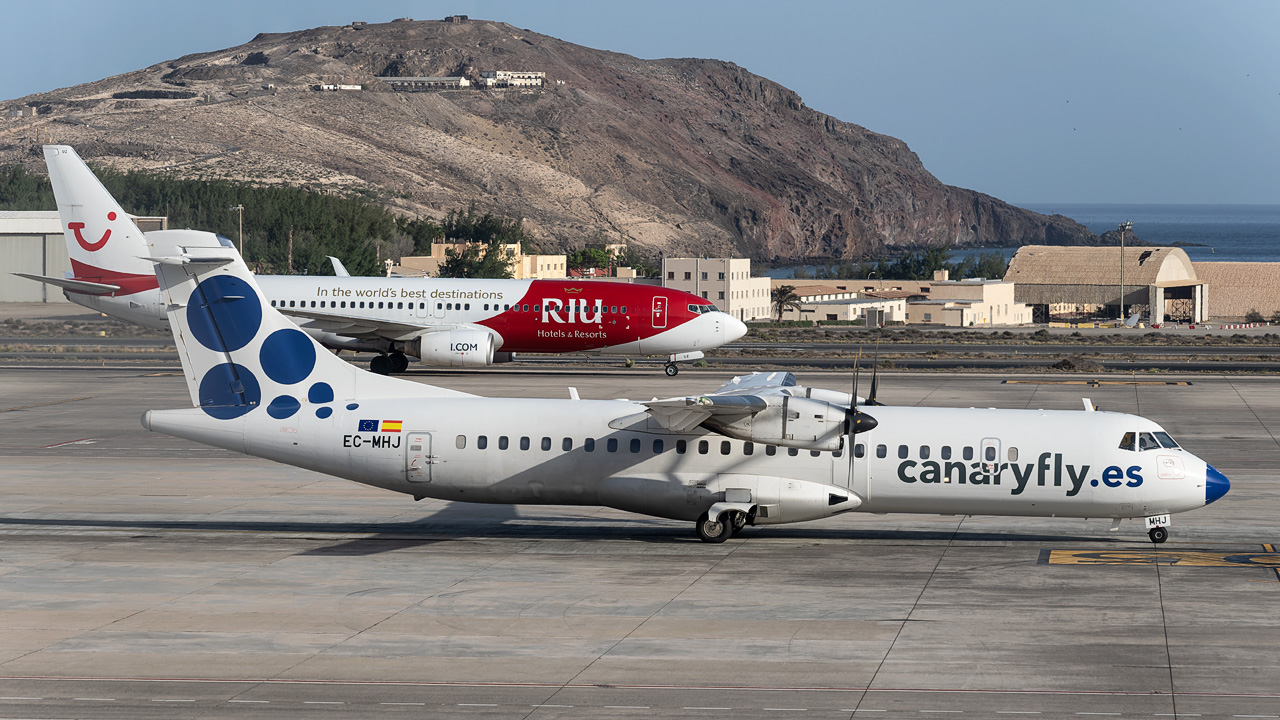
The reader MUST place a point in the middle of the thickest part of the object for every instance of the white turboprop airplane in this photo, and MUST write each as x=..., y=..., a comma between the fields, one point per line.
x=456, y=323
x=760, y=450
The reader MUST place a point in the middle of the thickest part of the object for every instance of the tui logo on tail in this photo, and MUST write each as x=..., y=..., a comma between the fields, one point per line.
x=76, y=227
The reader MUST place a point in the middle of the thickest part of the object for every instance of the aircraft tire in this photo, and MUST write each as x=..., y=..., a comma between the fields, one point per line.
x=739, y=520
x=380, y=364
x=399, y=362
x=713, y=531
x=1158, y=534
x=671, y=370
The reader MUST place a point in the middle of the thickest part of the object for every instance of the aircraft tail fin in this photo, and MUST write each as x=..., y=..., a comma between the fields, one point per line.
x=238, y=353
x=104, y=244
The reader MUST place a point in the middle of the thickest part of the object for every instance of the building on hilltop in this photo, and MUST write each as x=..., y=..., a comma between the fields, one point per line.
x=512, y=78
x=425, y=84
x=727, y=282
x=1159, y=282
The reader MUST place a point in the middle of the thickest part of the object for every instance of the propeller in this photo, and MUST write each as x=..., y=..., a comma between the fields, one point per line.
x=875, y=377
x=857, y=421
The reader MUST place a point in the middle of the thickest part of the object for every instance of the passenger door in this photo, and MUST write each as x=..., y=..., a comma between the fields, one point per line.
x=659, y=312
x=418, y=458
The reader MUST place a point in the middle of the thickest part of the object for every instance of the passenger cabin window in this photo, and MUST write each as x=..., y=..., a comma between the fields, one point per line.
x=524, y=443
x=482, y=442
x=903, y=452
x=612, y=445
x=1128, y=441
x=635, y=445
x=502, y=442
x=1147, y=441
x=748, y=448
x=681, y=447
x=770, y=450
x=589, y=444
x=725, y=447
x=566, y=444
x=815, y=453
x=461, y=442
x=946, y=452
x=1013, y=454
x=546, y=444
x=989, y=453
x=968, y=453
x=882, y=451
x=657, y=447
x=859, y=450
x=703, y=447
x=793, y=451
x=924, y=452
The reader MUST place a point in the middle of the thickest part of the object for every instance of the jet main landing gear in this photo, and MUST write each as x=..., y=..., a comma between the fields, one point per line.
x=671, y=369
x=394, y=362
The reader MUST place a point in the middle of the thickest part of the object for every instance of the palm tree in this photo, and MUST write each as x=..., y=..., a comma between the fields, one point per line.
x=784, y=296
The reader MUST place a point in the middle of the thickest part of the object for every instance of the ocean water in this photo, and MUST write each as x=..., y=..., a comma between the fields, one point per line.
x=1235, y=233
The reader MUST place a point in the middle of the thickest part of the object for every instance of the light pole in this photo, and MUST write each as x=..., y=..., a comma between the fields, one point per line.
x=240, y=209
x=1125, y=227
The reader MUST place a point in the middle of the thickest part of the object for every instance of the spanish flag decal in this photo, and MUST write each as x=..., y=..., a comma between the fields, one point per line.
x=391, y=425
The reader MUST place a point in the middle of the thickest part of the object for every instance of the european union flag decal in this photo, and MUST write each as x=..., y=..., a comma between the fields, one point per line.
x=368, y=426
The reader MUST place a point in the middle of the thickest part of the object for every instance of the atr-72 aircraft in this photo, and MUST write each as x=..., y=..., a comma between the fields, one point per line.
x=760, y=450
x=457, y=323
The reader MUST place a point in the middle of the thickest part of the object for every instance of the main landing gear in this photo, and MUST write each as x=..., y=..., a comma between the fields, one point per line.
x=671, y=369
x=721, y=529
x=394, y=362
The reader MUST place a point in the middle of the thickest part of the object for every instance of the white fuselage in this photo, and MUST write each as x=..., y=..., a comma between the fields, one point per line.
x=1047, y=463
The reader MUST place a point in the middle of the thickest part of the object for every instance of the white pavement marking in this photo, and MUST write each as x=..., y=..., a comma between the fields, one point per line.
x=250, y=701
x=19, y=698
x=477, y=704
x=628, y=707
x=707, y=708
x=167, y=700
x=96, y=699
x=786, y=709
x=403, y=703
x=545, y=705
x=1018, y=712
x=322, y=702
x=941, y=711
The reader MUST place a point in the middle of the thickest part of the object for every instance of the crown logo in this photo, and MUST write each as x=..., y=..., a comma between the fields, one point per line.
x=573, y=290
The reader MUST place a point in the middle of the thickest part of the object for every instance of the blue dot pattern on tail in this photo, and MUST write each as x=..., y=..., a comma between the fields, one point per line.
x=224, y=313
x=228, y=391
x=283, y=407
x=288, y=357
x=324, y=412
x=320, y=393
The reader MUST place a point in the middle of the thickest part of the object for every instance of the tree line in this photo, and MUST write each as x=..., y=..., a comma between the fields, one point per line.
x=914, y=265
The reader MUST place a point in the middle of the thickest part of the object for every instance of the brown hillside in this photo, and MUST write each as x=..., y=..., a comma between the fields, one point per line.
x=681, y=156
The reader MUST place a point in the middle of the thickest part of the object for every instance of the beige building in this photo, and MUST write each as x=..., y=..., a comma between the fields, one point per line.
x=523, y=267
x=727, y=282
x=1159, y=282
x=872, y=311
x=968, y=303
x=1235, y=288
x=32, y=242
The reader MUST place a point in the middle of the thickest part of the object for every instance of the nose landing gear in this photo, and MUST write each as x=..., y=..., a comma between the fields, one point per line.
x=1158, y=534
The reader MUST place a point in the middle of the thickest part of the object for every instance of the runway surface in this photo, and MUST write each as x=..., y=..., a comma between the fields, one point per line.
x=147, y=577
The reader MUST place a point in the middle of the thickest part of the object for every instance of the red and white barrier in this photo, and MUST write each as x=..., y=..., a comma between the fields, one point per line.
x=1240, y=326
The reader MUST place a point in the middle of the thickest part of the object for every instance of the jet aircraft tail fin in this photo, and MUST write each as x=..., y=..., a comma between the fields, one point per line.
x=104, y=244
x=238, y=353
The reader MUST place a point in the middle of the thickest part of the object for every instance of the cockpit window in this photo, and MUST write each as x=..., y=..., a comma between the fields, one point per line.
x=703, y=309
x=1165, y=440
x=1127, y=442
x=225, y=241
x=1147, y=441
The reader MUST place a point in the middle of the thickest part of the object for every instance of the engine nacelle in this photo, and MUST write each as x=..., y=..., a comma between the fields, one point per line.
x=453, y=348
x=791, y=422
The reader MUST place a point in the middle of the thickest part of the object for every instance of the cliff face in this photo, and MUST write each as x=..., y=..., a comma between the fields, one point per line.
x=681, y=156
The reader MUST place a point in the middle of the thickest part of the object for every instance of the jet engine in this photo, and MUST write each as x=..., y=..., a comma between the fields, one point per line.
x=453, y=348
x=788, y=421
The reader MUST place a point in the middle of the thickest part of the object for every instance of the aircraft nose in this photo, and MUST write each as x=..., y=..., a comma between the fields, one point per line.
x=733, y=328
x=1215, y=484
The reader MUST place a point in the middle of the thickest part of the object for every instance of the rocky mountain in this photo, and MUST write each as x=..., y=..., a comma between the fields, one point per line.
x=676, y=155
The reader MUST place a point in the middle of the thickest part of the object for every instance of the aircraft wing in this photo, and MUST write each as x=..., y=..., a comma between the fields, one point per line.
x=365, y=327
x=736, y=399
x=80, y=286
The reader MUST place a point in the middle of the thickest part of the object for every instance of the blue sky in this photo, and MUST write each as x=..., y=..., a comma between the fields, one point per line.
x=1061, y=102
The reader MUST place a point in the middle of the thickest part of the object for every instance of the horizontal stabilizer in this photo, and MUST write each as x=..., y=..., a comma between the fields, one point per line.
x=80, y=286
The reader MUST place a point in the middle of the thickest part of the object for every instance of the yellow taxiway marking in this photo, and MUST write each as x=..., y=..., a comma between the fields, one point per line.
x=1267, y=560
x=52, y=402
x=1096, y=383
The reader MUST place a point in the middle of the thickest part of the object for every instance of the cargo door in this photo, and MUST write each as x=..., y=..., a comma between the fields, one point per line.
x=418, y=458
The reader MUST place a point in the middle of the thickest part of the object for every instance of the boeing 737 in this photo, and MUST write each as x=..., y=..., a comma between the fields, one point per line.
x=760, y=450
x=448, y=322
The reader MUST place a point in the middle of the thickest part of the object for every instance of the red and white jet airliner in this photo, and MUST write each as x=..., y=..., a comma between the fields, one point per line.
x=449, y=322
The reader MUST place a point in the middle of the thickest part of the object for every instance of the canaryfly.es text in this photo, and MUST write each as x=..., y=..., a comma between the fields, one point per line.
x=1049, y=470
